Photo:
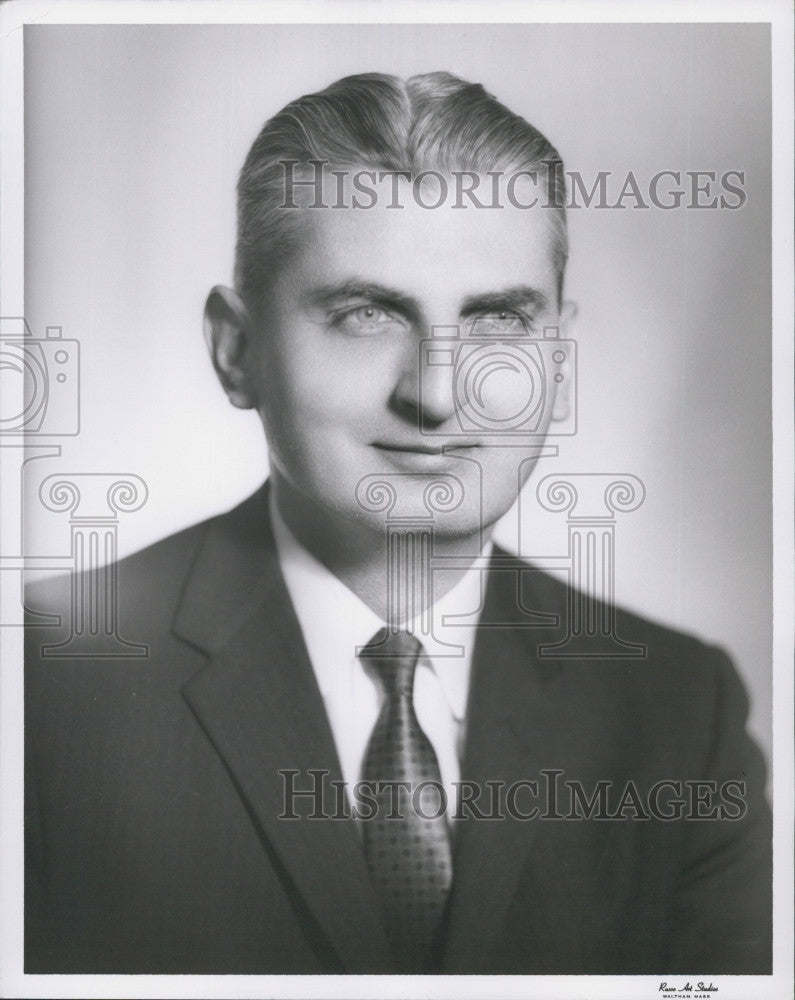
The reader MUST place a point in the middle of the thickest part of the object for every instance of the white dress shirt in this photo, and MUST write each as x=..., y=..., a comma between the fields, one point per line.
x=335, y=622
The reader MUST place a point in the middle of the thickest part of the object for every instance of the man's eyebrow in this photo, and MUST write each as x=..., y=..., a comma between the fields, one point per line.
x=371, y=291
x=514, y=297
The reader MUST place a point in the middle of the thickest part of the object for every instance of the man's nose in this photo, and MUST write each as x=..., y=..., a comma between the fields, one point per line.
x=425, y=388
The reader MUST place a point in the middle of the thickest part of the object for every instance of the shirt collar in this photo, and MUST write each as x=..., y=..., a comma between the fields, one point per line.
x=335, y=621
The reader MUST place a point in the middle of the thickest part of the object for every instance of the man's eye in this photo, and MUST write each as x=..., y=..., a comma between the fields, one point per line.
x=500, y=322
x=364, y=320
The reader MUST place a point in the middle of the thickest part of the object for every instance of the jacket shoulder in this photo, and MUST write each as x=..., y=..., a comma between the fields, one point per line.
x=157, y=571
x=667, y=658
x=158, y=567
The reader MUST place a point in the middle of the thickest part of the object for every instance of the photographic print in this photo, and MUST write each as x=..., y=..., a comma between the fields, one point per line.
x=395, y=431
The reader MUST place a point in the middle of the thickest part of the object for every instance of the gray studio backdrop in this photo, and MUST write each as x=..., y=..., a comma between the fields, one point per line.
x=133, y=139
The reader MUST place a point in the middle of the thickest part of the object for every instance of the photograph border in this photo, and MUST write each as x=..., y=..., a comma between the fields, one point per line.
x=13, y=17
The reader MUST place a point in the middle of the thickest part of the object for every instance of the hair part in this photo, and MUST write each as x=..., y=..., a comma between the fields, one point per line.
x=434, y=121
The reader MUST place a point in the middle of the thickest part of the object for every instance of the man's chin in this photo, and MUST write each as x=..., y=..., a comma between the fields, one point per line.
x=450, y=504
x=466, y=525
x=451, y=526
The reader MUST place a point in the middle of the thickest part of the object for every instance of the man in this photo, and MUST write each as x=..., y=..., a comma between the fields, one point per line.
x=349, y=749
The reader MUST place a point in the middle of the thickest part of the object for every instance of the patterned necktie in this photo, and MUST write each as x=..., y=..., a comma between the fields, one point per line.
x=408, y=855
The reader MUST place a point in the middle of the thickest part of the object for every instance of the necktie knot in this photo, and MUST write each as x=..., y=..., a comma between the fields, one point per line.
x=394, y=656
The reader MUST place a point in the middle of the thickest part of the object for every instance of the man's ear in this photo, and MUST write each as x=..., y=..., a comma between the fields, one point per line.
x=228, y=333
x=567, y=321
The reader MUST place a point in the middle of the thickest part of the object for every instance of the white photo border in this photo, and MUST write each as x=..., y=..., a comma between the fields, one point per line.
x=13, y=17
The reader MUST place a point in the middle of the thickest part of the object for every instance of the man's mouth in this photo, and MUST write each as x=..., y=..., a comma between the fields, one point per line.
x=425, y=447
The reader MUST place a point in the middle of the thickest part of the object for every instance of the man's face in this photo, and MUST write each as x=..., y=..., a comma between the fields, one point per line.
x=347, y=389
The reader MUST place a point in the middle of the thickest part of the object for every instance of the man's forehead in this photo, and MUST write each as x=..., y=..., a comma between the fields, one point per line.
x=470, y=250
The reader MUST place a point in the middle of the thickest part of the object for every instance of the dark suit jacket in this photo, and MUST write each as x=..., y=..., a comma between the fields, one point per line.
x=154, y=843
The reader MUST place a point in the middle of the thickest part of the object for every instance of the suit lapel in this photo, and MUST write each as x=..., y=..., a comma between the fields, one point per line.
x=512, y=734
x=259, y=704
